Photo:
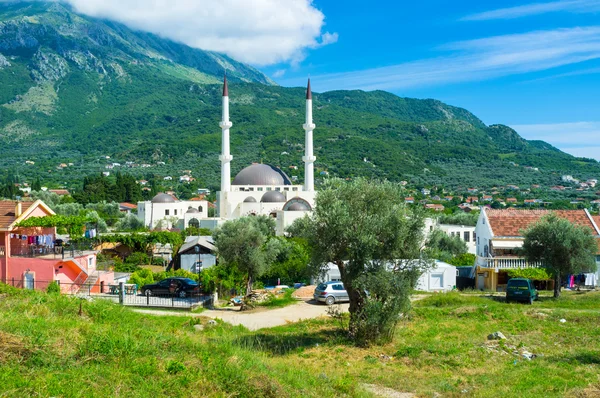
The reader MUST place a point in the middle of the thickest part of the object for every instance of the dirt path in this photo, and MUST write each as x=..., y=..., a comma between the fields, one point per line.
x=258, y=319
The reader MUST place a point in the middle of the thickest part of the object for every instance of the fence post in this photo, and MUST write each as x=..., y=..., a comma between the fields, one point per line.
x=147, y=300
x=122, y=293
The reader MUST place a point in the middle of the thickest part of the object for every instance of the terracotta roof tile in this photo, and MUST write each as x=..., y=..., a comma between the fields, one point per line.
x=7, y=211
x=510, y=222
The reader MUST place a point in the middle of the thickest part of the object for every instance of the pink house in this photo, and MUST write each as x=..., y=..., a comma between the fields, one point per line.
x=32, y=258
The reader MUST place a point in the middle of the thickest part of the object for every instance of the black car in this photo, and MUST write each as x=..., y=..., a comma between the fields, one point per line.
x=180, y=287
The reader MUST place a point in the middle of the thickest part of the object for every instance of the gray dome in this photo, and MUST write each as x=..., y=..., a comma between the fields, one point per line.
x=250, y=199
x=273, y=197
x=163, y=198
x=298, y=206
x=261, y=174
x=192, y=210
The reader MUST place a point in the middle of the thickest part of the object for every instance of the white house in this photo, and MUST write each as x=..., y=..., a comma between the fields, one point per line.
x=164, y=211
x=499, y=235
x=464, y=232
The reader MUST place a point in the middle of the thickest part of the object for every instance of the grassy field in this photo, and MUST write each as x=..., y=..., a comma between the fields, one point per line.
x=441, y=349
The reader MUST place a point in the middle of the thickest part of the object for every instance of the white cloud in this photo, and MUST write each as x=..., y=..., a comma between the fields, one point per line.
x=577, y=138
x=260, y=32
x=476, y=60
x=279, y=73
x=575, y=6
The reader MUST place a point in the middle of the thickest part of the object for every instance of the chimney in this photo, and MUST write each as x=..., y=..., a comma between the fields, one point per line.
x=18, y=209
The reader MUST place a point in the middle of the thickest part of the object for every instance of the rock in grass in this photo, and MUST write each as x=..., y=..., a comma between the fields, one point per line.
x=199, y=328
x=212, y=322
x=496, y=336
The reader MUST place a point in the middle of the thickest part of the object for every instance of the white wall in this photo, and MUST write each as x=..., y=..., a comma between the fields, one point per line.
x=460, y=231
x=152, y=213
x=189, y=260
x=441, y=278
x=484, y=234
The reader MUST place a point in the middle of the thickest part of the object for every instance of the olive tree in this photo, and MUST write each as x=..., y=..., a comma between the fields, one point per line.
x=248, y=244
x=364, y=228
x=561, y=247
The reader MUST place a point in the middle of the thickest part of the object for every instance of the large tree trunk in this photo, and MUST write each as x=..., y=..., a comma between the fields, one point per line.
x=249, y=285
x=357, y=303
x=557, y=285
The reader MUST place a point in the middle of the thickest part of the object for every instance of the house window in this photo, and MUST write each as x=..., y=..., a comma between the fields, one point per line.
x=477, y=241
x=200, y=209
x=90, y=261
x=474, y=235
x=259, y=189
x=175, y=212
x=295, y=189
x=286, y=189
x=467, y=236
x=167, y=212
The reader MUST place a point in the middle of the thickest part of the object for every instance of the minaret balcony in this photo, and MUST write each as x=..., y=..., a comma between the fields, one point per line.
x=309, y=126
x=309, y=159
x=225, y=125
x=225, y=158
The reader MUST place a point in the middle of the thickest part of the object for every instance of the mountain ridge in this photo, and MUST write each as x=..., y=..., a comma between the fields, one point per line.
x=77, y=89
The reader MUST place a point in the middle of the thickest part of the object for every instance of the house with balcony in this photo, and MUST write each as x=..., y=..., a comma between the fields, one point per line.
x=33, y=257
x=499, y=236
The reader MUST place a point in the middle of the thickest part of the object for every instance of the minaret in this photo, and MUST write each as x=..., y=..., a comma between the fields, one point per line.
x=309, y=158
x=225, y=157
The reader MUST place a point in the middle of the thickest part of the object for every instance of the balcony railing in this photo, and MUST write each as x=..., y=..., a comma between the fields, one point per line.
x=505, y=262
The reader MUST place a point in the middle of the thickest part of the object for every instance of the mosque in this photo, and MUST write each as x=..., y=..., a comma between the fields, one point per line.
x=262, y=189
x=259, y=189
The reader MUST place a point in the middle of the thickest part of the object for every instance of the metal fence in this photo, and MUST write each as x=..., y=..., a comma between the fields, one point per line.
x=124, y=294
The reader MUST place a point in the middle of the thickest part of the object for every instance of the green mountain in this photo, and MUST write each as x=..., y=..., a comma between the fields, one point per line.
x=75, y=89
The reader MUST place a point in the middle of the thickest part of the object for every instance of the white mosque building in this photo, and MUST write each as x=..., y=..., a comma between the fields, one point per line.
x=164, y=211
x=259, y=189
x=262, y=189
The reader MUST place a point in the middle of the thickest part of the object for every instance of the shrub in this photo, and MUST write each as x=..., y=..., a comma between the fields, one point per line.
x=53, y=288
x=142, y=277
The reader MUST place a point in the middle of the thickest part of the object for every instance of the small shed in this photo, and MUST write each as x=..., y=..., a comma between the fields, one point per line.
x=198, y=252
x=442, y=277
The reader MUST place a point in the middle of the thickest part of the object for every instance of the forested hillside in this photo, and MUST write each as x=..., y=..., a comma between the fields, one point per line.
x=76, y=90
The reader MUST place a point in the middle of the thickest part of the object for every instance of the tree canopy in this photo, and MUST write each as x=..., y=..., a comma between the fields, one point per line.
x=364, y=228
x=249, y=244
x=561, y=247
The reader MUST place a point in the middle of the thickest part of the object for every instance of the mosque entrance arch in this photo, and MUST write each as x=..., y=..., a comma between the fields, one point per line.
x=194, y=223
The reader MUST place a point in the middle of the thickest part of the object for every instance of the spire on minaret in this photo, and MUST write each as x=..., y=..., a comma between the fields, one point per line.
x=309, y=158
x=225, y=89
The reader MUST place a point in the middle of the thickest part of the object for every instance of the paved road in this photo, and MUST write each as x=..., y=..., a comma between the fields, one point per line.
x=258, y=319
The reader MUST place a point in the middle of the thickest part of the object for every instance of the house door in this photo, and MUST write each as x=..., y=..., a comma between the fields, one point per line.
x=480, y=281
x=436, y=281
x=28, y=281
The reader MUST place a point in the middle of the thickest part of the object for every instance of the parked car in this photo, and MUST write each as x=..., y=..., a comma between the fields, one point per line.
x=521, y=289
x=331, y=293
x=180, y=287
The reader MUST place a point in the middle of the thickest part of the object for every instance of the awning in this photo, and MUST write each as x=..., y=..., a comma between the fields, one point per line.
x=506, y=244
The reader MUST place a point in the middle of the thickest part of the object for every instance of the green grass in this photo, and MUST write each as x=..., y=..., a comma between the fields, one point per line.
x=280, y=301
x=440, y=349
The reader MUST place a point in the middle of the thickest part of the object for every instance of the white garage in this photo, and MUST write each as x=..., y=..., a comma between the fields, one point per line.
x=442, y=277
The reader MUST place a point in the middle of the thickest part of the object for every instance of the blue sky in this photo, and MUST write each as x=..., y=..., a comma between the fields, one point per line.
x=532, y=66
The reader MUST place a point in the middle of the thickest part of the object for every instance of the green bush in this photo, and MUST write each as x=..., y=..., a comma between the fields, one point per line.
x=465, y=259
x=536, y=274
x=142, y=277
x=53, y=288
